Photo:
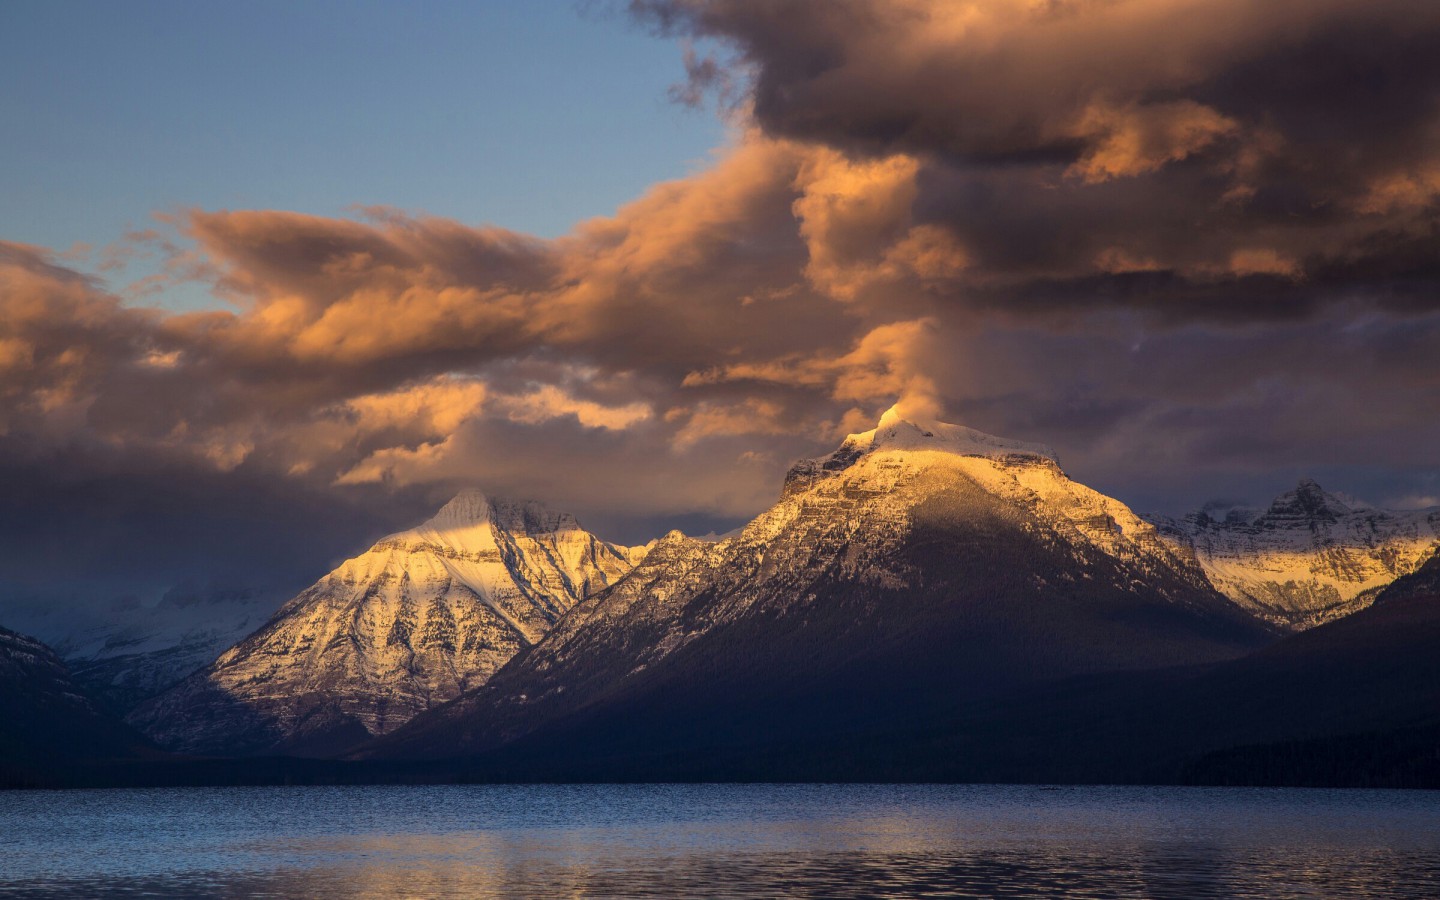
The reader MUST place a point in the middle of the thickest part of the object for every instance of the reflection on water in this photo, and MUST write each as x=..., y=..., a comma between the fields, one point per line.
x=737, y=840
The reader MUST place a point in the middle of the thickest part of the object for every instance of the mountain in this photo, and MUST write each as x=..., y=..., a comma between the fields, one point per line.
x=1311, y=557
x=1351, y=702
x=127, y=651
x=918, y=568
x=45, y=718
x=1421, y=585
x=420, y=617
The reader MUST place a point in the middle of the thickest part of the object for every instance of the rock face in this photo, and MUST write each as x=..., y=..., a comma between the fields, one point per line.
x=918, y=567
x=1311, y=557
x=1423, y=584
x=414, y=621
x=44, y=716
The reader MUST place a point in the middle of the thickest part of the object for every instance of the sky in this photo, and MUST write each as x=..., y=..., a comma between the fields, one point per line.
x=278, y=278
x=532, y=115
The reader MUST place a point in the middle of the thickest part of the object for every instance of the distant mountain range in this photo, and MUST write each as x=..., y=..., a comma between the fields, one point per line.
x=926, y=602
x=1310, y=557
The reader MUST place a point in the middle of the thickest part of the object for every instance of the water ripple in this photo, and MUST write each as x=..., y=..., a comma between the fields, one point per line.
x=713, y=840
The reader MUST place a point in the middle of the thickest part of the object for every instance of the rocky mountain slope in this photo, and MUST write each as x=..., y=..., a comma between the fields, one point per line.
x=1310, y=557
x=45, y=718
x=126, y=652
x=918, y=567
x=417, y=619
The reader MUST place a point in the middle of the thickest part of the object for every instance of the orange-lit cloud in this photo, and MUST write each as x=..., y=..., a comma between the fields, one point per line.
x=1163, y=235
x=1138, y=139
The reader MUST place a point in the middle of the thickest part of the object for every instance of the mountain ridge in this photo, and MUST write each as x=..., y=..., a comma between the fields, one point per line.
x=47, y=720
x=420, y=616
x=949, y=563
x=1311, y=556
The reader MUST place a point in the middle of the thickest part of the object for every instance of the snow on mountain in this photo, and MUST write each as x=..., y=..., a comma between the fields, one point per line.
x=917, y=565
x=1312, y=556
x=25, y=659
x=418, y=618
x=1422, y=584
x=128, y=651
x=897, y=452
x=894, y=434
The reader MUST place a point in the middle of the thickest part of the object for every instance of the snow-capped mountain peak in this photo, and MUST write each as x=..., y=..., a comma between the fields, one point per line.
x=473, y=508
x=422, y=615
x=1307, y=504
x=896, y=433
x=473, y=522
x=1312, y=555
x=961, y=559
x=469, y=507
x=899, y=434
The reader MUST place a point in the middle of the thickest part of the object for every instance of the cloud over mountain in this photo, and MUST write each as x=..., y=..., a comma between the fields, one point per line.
x=1162, y=235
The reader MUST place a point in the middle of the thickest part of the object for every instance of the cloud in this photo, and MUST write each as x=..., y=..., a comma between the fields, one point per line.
x=850, y=214
x=750, y=417
x=376, y=350
x=550, y=402
x=61, y=339
x=1193, y=245
x=894, y=362
x=1033, y=139
x=438, y=406
x=1123, y=142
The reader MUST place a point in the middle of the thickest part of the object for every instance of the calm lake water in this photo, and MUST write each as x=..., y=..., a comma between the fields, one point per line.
x=726, y=840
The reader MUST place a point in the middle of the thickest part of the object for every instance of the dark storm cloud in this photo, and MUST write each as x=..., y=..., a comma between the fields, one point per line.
x=1127, y=84
x=1069, y=142
x=143, y=523
x=1169, y=420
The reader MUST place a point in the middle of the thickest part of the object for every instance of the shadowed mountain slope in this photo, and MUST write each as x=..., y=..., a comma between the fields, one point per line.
x=45, y=719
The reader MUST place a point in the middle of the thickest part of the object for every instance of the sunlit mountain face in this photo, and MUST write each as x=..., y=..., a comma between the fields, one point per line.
x=267, y=301
x=414, y=621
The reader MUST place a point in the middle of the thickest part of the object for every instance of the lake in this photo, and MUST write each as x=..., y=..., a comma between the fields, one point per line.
x=728, y=840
